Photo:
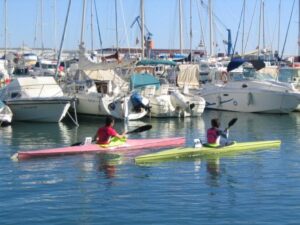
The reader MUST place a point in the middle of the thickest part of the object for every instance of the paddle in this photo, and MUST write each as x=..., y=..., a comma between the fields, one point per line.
x=140, y=129
x=231, y=123
x=137, y=130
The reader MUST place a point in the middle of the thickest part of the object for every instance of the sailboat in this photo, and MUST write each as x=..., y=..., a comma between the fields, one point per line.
x=99, y=90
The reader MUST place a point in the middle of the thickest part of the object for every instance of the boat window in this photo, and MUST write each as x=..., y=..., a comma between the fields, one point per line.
x=264, y=76
x=44, y=66
x=102, y=87
x=249, y=74
x=287, y=75
x=237, y=76
x=15, y=95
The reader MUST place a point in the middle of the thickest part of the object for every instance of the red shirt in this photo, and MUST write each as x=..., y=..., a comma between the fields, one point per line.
x=104, y=134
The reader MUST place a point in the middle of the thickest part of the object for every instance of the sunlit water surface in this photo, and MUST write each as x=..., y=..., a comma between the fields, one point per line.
x=261, y=187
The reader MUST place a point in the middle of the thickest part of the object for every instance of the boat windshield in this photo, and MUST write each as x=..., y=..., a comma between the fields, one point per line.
x=1, y=104
x=288, y=75
x=250, y=74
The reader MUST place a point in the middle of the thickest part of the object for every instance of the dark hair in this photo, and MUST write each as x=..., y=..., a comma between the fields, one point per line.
x=109, y=120
x=215, y=123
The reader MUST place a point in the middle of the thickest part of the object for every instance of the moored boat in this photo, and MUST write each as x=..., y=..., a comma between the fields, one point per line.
x=248, y=91
x=36, y=99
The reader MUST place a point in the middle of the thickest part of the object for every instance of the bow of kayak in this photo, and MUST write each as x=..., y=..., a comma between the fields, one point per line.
x=130, y=144
x=206, y=151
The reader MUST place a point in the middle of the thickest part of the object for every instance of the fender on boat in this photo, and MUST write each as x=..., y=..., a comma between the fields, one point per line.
x=180, y=100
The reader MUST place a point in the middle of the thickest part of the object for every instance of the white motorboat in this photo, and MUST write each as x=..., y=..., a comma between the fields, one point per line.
x=167, y=101
x=248, y=91
x=5, y=114
x=36, y=99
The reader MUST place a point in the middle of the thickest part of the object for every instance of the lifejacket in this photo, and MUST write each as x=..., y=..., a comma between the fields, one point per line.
x=212, y=135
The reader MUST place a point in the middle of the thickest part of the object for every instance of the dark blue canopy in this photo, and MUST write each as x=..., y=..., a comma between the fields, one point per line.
x=235, y=63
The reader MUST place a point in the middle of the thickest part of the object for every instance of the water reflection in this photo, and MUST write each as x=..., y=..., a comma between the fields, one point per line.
x=213, y=172
x=107, y=164
x=27, y=136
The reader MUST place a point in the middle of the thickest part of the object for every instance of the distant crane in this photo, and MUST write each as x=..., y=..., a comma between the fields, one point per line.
x=147, y=36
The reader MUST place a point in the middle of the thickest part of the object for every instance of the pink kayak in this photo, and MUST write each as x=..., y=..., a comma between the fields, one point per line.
x=130, y=144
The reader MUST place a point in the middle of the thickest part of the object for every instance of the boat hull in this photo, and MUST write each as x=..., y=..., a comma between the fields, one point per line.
x=92, y=104
x=131, y=144
x=205, y=151
x=262, y=101
x=39, y=110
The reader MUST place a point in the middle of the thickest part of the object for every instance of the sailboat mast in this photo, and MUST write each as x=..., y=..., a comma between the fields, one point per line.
x=142, y=28
x=211, y=38
x=82, y=22
x=180, y=26
x=243, y=33
x=263, y=23
x=5, y=27
x=42, y=36
x=54, y=15
x=62, y=39
x=259, y=28
x=92, y=31
x=299, y=29
x=279, y=19
x=191, y=29
x=116, y=20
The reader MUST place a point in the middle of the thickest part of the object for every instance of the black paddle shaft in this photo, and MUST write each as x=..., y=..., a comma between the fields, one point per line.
x=232, y=122
x=140, y=129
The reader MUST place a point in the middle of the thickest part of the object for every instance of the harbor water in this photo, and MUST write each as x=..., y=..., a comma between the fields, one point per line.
x=260, y=187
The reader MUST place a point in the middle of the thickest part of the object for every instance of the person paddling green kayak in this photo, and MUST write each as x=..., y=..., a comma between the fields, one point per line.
x=214, y=133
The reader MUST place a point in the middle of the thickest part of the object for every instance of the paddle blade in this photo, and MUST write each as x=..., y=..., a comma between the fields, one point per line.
x=76, y=144
x=232, y=122
x=140, y=129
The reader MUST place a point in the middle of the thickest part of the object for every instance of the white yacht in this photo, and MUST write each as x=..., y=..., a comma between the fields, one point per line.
x=36, y=99
x=249, y=91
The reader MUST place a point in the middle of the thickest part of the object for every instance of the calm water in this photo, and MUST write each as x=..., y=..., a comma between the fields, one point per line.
x=260, y=187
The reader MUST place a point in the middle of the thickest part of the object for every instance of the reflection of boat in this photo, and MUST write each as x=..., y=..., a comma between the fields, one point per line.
x=206, y=151
x=246, y=91
x=37, y=135
x=129, y=145
x=36, y=99
x=5, y=114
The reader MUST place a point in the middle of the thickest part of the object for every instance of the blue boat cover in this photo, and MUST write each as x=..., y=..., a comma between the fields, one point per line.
x=140, y=80
x=155, y=62
x=235, y=63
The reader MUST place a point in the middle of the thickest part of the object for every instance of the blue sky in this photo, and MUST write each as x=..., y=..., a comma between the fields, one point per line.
x=161, y=17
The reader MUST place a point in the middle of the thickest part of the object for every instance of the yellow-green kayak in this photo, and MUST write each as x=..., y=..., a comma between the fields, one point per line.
x=183, y=152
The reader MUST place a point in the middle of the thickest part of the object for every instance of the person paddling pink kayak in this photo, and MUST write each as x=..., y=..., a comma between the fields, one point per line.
x=104, y=134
